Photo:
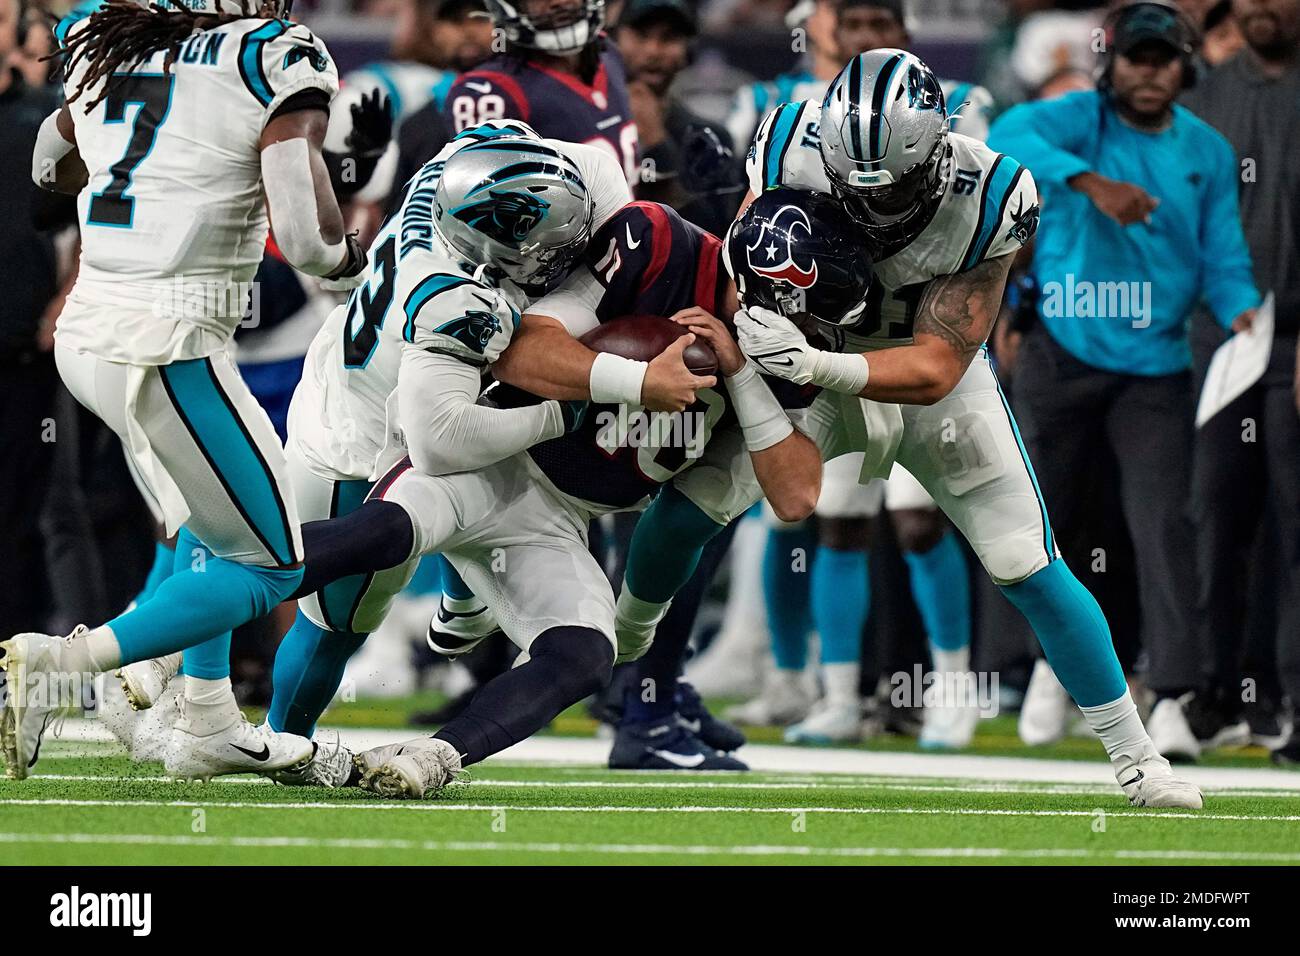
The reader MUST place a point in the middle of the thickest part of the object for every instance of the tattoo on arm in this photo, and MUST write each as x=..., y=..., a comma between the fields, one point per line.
x=960, y=309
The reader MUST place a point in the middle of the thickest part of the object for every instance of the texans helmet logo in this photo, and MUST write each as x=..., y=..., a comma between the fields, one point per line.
x=474, y=329
x=772, y=257
x=507, y=217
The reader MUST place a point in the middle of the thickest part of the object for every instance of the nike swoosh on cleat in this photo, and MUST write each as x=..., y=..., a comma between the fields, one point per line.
x=1138, y=779
x=680, y=760
x=36, y=754
x=259, y=757
x=692, y=725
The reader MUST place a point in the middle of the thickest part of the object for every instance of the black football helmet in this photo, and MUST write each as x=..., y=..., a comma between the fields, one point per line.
x=798, y=253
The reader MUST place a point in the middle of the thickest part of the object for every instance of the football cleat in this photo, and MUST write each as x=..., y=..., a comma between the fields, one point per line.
x=31, y=703
x=1288, y=755
x=153, y=727
x=331, y=765
x=410, y=770
x=1045, y=713
x=948, y=726
x=144, y=681
x=1149, y=781
x=239, y=748
x=666, y=745
x=1170, y=732
x=783, y=701
x=695, y=718
x=829, y=723
x=453, y=633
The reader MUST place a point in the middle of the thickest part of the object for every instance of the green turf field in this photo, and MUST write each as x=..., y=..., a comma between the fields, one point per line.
x=84, y=808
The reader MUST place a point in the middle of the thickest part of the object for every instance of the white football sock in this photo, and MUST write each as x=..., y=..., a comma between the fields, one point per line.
x=841, y=683
x=950, y=662
x=462, y=605
x=209, y=705
x=93, y=652
x=1119, y=727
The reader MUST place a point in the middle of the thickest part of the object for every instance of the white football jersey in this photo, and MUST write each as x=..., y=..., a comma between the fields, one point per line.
x=173, y=220
x=344, y=418
x=990, y=208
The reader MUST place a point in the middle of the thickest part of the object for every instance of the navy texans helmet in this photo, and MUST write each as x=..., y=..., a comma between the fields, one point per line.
x=798, y=253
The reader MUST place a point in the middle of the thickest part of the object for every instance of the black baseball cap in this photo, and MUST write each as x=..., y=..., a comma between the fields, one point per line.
x=637, y=13
x=1151, y=22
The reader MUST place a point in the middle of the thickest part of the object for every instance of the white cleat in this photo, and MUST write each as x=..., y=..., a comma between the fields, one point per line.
x=411, y=769
x=239, y=748
x=1170, y=732
x=838, y=723
x=948, y=726
x=33, y=696
x=784, y=701
x=453, y=633
x=153, y=728
x=1149, y=781
x=144, y=681
x=330, y=766
x=1045, y=713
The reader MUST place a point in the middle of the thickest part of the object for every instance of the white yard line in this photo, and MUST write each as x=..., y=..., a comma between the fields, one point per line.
x=588, y=752
x=687, y=781
x=437, y=806
x=448, y=846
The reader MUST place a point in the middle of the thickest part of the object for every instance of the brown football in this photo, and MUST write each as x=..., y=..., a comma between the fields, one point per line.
x=643, y=337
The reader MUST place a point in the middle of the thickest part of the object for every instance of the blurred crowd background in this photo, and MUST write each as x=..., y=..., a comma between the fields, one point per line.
x=700, y=78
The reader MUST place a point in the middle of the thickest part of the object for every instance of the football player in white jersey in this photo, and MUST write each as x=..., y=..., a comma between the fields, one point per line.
x=497, y=218
x=182, y=129
x=946, y=215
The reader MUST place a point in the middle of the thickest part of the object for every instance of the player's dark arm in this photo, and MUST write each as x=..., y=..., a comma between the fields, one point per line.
x=545, y=359
x=786, y=462
x=56, y=161
x=305, y=216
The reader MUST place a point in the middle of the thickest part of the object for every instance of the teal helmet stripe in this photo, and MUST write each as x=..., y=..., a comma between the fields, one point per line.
x=884, y=79
x=853, y=98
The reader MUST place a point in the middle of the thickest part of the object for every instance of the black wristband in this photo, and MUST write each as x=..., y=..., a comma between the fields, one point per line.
x=355, y=261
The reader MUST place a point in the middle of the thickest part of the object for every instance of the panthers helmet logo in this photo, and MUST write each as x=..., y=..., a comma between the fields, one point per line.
x=507, y=217
x=474, y=329
x=923, y=90
x=772, y=256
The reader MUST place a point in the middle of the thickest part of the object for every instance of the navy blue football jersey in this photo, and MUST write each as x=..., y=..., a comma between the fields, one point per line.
x=557, y=105
x=647, y=260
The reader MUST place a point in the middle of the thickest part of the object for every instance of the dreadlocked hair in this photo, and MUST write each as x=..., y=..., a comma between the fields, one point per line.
x=122, y=34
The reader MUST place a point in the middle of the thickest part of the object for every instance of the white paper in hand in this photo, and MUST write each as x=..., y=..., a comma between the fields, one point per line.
x=1237, y=365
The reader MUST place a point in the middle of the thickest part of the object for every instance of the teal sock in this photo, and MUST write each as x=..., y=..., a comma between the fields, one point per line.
x=666, y=546
x=209, y=660
x=941, y=588
x=309, y=667
x=453, y=585
x=192, y=604
x=840, y=599
x=786, y=592
x=1073, y=632
x=164, y=557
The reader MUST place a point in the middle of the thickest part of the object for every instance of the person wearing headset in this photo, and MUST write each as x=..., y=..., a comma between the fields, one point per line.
x=1139, y=224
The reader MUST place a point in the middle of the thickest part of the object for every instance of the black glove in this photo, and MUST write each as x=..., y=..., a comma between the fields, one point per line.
x=372, y=126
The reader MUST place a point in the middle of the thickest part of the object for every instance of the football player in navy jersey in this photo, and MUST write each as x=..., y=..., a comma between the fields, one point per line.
x=558, y=73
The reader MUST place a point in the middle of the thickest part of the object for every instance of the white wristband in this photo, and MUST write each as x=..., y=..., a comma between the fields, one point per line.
x=840, y=372
x=762, y=420
x=616, y=380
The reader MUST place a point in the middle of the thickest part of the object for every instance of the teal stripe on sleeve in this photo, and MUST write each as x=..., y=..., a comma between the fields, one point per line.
x=1002, y=181
x=251, y=69
x=426, y=290
x=778, y=143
